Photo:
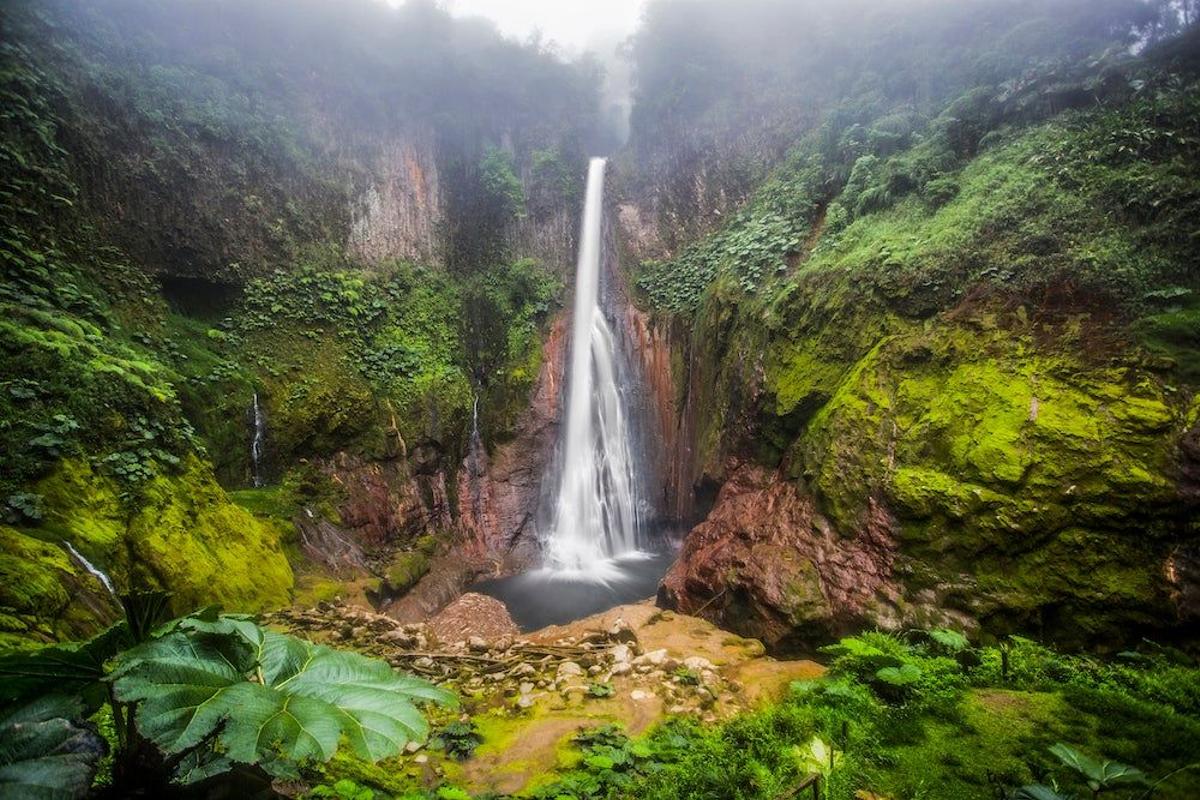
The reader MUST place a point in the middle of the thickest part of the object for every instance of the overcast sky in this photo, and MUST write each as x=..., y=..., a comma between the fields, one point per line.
x=574, y=24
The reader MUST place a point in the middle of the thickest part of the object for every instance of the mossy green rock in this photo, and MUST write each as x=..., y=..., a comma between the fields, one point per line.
x=44, y=595
x=183, y=535
x=409, y=567
x=1039, y=476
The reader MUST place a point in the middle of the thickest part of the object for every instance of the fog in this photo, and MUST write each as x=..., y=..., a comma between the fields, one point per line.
x=574, y=25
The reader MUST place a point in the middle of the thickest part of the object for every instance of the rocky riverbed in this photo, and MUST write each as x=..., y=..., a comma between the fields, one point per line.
x=528, y=694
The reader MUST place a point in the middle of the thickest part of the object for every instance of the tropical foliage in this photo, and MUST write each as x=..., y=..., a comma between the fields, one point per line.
x=197, y=697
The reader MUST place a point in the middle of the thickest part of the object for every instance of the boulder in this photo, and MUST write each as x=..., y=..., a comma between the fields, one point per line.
x=475, y=616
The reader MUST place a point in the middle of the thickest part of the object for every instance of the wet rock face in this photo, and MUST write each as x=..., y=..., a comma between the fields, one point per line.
x=389, y=501
x=963, y=475
x=398, y=212
x=499, y=491
x=765, y=564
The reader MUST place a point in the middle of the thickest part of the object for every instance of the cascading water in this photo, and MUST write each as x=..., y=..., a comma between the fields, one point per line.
x=256, y=444
x=597, y=549
x=595, y=518
x=95, y=571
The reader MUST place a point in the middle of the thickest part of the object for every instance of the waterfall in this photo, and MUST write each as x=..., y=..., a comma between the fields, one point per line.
x=595, y=514
x=96, y=572
x=256, y=444
x=476, y=465
x=476, y=455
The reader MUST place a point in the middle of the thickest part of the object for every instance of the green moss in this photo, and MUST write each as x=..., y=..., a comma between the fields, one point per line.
x=184, y=536
x=1175, y=335
x=390, y=775
x=85, y=509
x=45, y=595
x=804, y=599
x=1002, y=458
x=31, y=591
x=312, y=590
x=187, y=537
x=998, y=734
x=314, y=400
x=270, y=501
x=920, y=493
x=405, y=570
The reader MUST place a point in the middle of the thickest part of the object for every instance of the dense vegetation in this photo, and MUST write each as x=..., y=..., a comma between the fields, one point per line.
x=922, y=715
x=964, y=280
x=931, y=267
x=182, y=235
x=722, y=92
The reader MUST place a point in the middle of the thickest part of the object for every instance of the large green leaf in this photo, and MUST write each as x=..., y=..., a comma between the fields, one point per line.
x=1098, y=774
x=903, y=675
x=262, y=696
x=1037, y=791
x=45, y=754
x=181, y=685
x=62, y=670
x=953, y=641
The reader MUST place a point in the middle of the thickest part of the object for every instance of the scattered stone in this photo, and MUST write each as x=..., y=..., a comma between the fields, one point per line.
x=477, y=644
x=621, y=632
x=654, y=657
x=568, y=669
x=638, y=695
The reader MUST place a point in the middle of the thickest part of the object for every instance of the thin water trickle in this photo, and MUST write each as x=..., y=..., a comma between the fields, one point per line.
x=95, y=571
x=256, y=444
x=595, y=521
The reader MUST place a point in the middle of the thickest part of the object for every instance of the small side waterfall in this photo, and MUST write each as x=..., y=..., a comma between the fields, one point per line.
x=476, y=453
x=256, y=444
x=595, y=516
x=476, y=464
x=95, y=571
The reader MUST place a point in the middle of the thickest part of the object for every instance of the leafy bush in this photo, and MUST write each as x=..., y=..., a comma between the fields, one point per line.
x=458, y=739
x=344, y=789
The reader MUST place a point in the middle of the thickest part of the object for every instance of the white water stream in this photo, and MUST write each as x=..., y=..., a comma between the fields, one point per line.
x=256, y=445
x=95, y=571
x=595, y=521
